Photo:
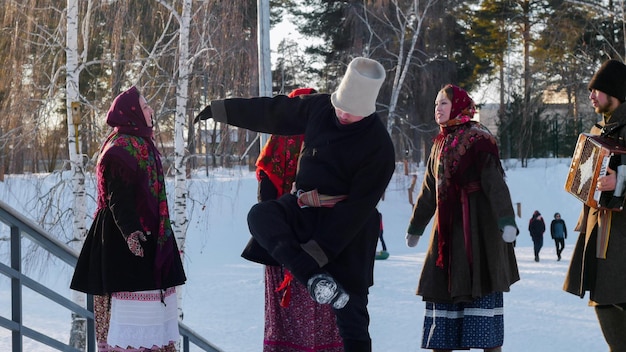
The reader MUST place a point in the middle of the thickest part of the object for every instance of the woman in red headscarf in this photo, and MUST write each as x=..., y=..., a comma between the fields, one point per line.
x=293, y=320
x=470, y=261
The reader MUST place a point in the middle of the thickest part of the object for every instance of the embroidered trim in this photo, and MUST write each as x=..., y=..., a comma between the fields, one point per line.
x=146, y=296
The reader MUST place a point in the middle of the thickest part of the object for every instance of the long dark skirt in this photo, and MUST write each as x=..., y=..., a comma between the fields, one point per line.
x=476, y=324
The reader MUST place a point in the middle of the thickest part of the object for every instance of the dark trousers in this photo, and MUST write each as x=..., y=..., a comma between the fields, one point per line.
x=353, y=322
x=271, y=225
x=537, y=243
x=613, y=324
x=382, y=241
x=560, y=244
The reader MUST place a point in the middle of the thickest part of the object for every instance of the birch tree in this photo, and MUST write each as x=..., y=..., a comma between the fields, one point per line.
x=406, y=24
x=182, y=98
x=72, y=105
x=180, y=221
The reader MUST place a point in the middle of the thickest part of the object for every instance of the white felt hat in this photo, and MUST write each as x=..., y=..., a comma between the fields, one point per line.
x=359, y=87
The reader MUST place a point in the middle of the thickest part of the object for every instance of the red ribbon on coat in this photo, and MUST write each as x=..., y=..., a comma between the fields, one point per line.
x=285, y=285
x=467, y=224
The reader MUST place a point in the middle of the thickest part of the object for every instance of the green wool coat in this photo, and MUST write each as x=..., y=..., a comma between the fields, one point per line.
x=494, y=266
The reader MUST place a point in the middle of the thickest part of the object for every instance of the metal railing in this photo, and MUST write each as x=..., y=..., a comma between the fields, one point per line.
x=21, y=226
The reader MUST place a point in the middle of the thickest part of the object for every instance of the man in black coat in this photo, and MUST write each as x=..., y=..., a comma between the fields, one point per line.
x=326, y=231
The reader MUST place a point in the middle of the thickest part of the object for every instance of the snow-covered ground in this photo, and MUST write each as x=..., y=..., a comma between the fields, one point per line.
x=223, y=298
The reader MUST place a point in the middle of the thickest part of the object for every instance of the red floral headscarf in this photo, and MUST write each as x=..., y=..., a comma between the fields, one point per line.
x=463, y=107
x=279, y=157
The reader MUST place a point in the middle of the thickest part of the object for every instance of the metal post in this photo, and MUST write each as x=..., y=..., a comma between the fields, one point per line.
x=265, y=59
x=16, y=287
x=91, y=326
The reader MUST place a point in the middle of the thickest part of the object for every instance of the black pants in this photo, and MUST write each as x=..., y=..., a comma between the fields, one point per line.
x=271, y=226
x=353, y=321
x=537, y=243
x=560, y=244
x=613, y=324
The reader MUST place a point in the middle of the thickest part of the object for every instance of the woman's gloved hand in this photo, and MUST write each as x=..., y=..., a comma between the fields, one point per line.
x=134, y=244
x=411, y=240
x=509, y=233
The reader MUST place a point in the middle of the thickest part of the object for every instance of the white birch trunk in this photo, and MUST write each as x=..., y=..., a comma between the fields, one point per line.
x=78, y=333
x=180, y=221
x=412, y=20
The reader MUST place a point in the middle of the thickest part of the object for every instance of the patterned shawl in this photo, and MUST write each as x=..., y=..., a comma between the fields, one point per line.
x=131, y=146
x=279, y=157
x=458, y=146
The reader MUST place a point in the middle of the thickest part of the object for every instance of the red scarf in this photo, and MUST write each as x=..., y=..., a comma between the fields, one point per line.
x=279, y=157
x=279, y=160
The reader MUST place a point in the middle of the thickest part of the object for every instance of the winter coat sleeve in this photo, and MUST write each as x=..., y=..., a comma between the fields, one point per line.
x=279, y=115
x=426, y=202
x=121, y=201
x=495, y=188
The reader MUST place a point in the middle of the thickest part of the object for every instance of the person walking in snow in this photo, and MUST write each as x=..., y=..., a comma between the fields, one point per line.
x=470, y=261
x=558, y=231
x=326, y=232
x=382, y=254
x=536, y=227
x=598, y=263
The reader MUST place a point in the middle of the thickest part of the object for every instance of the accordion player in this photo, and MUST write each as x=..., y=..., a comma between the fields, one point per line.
x=592, y=158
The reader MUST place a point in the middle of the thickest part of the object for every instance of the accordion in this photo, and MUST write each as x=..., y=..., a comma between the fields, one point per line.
x=590, y=161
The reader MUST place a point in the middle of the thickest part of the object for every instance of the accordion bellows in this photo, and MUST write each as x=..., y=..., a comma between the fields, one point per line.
x=590, y=161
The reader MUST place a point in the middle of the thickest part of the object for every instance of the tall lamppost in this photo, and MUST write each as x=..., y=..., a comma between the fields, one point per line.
x=265, y=57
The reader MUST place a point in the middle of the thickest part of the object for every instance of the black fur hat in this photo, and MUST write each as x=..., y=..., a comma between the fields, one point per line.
x=610, y=79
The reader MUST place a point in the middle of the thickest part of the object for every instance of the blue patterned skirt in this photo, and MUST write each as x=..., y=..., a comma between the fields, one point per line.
x=476, y=324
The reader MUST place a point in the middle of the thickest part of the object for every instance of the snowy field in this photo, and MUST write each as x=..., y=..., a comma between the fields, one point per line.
x=223, y=298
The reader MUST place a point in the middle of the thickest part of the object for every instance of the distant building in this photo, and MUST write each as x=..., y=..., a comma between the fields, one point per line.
x=488, y=113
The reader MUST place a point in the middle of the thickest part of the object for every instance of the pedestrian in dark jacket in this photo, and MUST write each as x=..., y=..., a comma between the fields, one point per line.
x=558, y=231
x=130, y=255
x=598, y=262
x=326, y=232
x=536, y=227
x=382, y=254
